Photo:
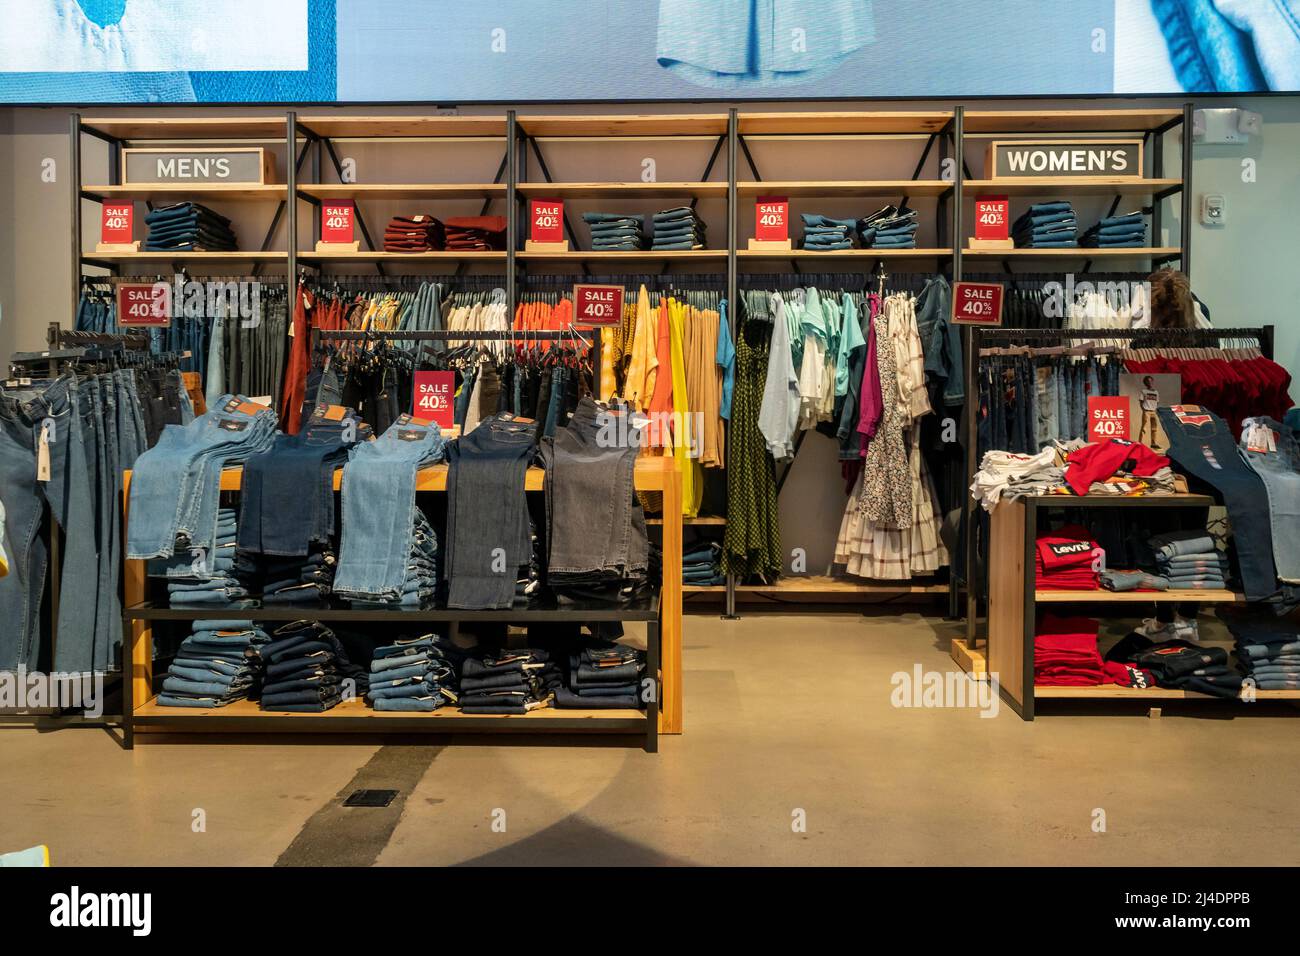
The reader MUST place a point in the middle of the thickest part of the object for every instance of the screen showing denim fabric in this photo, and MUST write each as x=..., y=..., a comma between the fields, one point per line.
x=365, y=51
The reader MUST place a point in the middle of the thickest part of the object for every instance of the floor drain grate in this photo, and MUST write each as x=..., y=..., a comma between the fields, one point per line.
x=370, y=798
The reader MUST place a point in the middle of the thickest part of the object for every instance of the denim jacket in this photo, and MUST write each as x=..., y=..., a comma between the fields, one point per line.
x=941, y=340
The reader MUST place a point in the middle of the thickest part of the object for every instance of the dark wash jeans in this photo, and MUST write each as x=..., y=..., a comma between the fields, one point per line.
x=1201, y=444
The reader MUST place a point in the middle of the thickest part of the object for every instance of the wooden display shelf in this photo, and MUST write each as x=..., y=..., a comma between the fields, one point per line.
x=192, y=127
x=152, y=711
x=402, y=190
x=1085, y=252
x=713, y=190
x=848, y=187
x=1067, y=121
x=929, y=253
x=827, y=123
x=602, y=127
x=182, y=191
x=643, y=255
x=705, y=521
x=1115, y=692
x=436, y=256
x=1070, y=187
x=183, y=256
x=404, y=127
x=1043, y=596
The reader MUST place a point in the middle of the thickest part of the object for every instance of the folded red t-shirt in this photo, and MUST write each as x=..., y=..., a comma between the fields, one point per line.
x=1100, y=460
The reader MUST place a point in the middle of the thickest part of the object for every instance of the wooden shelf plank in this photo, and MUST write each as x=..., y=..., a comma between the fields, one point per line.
x=822, y=123
x=210, y=128
x=697, y=521
x=662, y=124
x=404, y=127
x=862, y=187
x=438, y=256
x=844, y=254
x=1115, y=692
x=1082, y=252
x=1066, y=121
x=587, y=190
x=402, y=190
x=180, y=256
x=821, y=584
x=174, y=192
x=1042, y=596
x=643, y=255
x=358, y=708
x=1069, y=187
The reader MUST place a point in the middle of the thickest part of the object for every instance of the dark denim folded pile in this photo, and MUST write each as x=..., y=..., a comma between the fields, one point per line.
x=415, y=674
x=1047, y=225
x=219, y=662
x=890, y=227
x=1180, y=664
x=602, y=675
x=702, y=564
x=508, y=682
x=1268, y=649
x=1117, y=232
x=308, y=671
x=824, y=234
x=677, y=228
x=615, y=232
x=188, y=226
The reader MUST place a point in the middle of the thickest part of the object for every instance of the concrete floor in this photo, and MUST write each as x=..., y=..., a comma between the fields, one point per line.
x=784, y=713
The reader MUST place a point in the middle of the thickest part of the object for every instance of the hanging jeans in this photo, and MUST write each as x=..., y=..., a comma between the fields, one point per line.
x=1279, y=469
x=1201, y=444
x=25, y=414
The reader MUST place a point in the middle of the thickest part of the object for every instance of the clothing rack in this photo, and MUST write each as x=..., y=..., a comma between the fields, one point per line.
x=1141, y=338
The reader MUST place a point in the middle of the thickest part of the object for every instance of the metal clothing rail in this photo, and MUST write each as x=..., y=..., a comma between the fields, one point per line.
x=1143, y=338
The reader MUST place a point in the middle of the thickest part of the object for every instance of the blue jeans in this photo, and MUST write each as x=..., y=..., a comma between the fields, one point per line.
x=1280, y=472
x=1209, y=53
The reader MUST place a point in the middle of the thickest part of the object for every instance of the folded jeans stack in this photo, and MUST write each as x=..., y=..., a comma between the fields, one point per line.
x=508, y=682
x=214, y=581
x=415, y=674
x=475, y=233
x=1180, y=664
x=892, y=227
x=305, y=581
x=824, y=234
x=702, y=565
x=308, y=671
x=1066, y=560
x=1117, y=232
x=603, y=675
x=1047, y=225
x=419, y=585
x=677, y=228
x=190, y=227
x=1269, y=653
x=615, y=232
x=414, y=234
x=1189, y=560
x=219, y=662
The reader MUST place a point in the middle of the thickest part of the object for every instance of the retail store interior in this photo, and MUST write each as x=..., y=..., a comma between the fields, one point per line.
x=852, y=582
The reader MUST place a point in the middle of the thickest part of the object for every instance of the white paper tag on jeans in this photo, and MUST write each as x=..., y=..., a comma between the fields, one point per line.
x=43, y=452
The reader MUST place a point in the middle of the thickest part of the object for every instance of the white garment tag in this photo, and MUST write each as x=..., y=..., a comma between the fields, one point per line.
x=43, y=451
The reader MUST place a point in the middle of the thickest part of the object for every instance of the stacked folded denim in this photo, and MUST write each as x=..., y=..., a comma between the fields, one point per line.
x=307, y=670
x=220, y=662
x=176, y=485
x=1117, y=232
x=824, y=234
x=702, y=565
x=414, y=234
x=677, y=228
x=892, y=227
x=602, y=675
x=615, y=232
x=1047, y=225
x=1189, y=560
x=188, y=226
x=508, y=682
x=415, y=674
x=1180, y=664
x=301, y=581
x=419, y=586
x=475, y=233
x=211, y=581
x=1268, y=652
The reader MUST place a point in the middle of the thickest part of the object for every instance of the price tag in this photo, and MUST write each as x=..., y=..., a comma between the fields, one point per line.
x=772, y=219
x=977, y=303
x=546, y=220
x=144, y=303
x=434, y=392
x=992, y=217
x=336, y=220
x=597, y=305
x=1108, y=418
x=117, y=222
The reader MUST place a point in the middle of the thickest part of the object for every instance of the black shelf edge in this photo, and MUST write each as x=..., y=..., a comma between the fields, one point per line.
x=643, y=610
x=1119, y=501
x=272, y=722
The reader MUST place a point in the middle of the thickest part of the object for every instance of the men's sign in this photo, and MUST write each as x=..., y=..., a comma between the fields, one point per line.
x=234, y=165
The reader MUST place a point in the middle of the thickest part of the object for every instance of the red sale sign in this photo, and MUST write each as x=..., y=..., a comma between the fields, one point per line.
x=992, y=217
x=116, y=224
x=434, y=394
x=144, y=303
x=772, y=219
x=336, y=220
x=977, y=303
x=597, y=304
x=1108, y=418
x=546, y=220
